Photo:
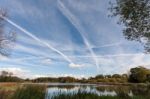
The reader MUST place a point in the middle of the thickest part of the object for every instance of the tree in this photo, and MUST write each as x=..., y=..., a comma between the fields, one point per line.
x=139, y=74
x=4, y=73
x=124, y=76
x=100, y=76
x=107, y=76
x=135, y=15
x=6, y=39
x=116, y=76
x=6, y=76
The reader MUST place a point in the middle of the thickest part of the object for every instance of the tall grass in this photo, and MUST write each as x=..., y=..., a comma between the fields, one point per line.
x=4, y=94
x=30, y=92
x=39, y=92
x=24, y=92
x=88, y=95
x=6, y=90
x=82, y=95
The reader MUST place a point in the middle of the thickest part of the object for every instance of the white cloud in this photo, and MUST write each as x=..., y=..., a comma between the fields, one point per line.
x=141, y=60
x=123, y=63
x=72, y=65
x=19, y=72
x=3, y=57
x=16, y=71
x=82, y=15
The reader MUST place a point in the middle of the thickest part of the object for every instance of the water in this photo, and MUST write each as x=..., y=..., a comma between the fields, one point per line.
x=101, y=90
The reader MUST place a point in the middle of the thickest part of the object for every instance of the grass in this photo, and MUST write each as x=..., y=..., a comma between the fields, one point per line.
x=81, y=95
x=88, y=95
x=23, y=92
x=30, y=92
x=34, y=91
x=7, y=90
x=9, y=86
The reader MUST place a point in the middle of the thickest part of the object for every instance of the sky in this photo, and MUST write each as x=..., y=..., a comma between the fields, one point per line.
x=67, y=38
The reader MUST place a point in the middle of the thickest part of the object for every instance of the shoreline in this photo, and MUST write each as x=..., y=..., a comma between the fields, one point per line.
x=67, y=84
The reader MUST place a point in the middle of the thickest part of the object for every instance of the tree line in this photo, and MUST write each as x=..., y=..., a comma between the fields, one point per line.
x=8, y=77
x=136, y=75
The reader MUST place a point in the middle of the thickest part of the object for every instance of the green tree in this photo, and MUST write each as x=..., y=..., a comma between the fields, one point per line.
x=116, y=76
x=6, y=76
x=135, y=15
x=139, y=74
x=100, y=76
x=107, y=76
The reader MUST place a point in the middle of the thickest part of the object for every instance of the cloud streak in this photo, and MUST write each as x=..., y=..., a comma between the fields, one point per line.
x=37, y=39
x=77, y=25
x=108, y=45
x=112, y=55
x=76, y=65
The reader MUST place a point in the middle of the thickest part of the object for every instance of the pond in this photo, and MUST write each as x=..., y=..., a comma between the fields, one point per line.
x=102, y=90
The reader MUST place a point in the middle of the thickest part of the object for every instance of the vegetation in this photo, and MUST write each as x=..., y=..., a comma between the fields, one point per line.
x=8, y=77
x=137, y=75
x=35, y=91
x=60, y=79
x=30, y=92
x=122, y=92
x=24, y=92
x=8, y=89
x=135, y=15
x=79, y=95
x=89, y=95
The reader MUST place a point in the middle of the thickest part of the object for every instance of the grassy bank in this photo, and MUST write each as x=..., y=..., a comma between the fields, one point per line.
x=22, y=92
x=30, y=92
x=7, y=90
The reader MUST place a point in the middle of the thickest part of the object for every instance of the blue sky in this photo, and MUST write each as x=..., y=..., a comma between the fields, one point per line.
x=67, y=38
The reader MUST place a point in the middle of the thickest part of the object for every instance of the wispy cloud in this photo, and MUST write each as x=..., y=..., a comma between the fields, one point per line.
x=76, y=65
x=77, y=25
x=37, y=39
x=78, y=29
x=108, y=45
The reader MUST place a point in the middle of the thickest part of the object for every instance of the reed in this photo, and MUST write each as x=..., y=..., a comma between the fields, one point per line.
x=30, y=92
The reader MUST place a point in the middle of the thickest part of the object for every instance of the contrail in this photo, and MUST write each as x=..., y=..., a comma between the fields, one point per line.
x=77, y=25
x=111, y=55
x=109, y=45
x=37, y=39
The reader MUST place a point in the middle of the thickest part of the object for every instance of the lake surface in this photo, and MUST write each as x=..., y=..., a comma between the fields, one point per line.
x=101, y=90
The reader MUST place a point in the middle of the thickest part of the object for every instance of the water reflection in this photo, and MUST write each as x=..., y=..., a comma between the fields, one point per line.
x=101, y=90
